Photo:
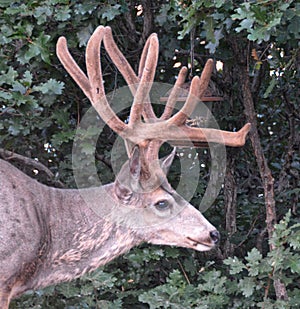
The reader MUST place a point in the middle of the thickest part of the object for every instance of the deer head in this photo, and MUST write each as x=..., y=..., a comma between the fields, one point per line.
x=142, y=185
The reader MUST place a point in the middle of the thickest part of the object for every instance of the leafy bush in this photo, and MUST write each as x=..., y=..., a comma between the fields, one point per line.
x=240, y=283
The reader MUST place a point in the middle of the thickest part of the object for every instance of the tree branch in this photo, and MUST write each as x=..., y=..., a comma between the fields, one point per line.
x=9, y=155
x=230, y=200
x=104, y=160
x=293, y=142
x=264, y=170
x=148, y=20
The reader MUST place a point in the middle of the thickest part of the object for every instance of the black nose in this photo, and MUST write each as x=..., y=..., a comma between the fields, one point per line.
x=215, y=236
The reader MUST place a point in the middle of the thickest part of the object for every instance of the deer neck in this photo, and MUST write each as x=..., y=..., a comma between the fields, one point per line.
x=86, y=238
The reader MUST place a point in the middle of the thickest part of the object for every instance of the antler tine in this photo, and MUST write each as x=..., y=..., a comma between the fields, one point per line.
x=99, y=100
x=146, y=81
x=93, y=63
x=72, y=67
x=233, y=139
x=205, y=77
x=144, y=55
x=197, y=89
x=174, y=94
x=181, y=116
x=92, y=86
x=125, y=68
x=120, y=61
x=148, y=110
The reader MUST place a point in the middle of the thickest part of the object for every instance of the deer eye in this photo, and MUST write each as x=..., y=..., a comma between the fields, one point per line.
x=162, y=205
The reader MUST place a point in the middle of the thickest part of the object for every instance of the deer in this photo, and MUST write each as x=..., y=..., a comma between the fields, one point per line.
x=50, y=235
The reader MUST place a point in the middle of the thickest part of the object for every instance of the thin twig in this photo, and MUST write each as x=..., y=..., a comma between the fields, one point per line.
x=249, y=232
x=184, y=273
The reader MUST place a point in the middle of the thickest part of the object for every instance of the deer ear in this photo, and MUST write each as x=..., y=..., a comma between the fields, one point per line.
x=123, y=193
x=128, y=178
x=166, y=162
x=135, y=163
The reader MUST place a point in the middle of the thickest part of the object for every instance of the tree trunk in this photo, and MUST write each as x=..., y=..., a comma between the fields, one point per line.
x=265, y=172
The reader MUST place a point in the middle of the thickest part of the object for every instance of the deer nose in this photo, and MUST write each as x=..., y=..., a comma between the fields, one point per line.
x=215, y=236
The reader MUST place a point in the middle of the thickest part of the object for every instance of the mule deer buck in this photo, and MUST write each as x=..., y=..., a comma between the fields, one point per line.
x=50, y=235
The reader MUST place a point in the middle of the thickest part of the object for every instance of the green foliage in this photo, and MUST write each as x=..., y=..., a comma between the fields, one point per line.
x=259, y=19
x=35, y=110
x=40, y=108
x=74, y=295
x=245, y=283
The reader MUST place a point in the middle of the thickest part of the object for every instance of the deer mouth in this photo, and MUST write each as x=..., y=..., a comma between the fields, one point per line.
x=198, y=245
